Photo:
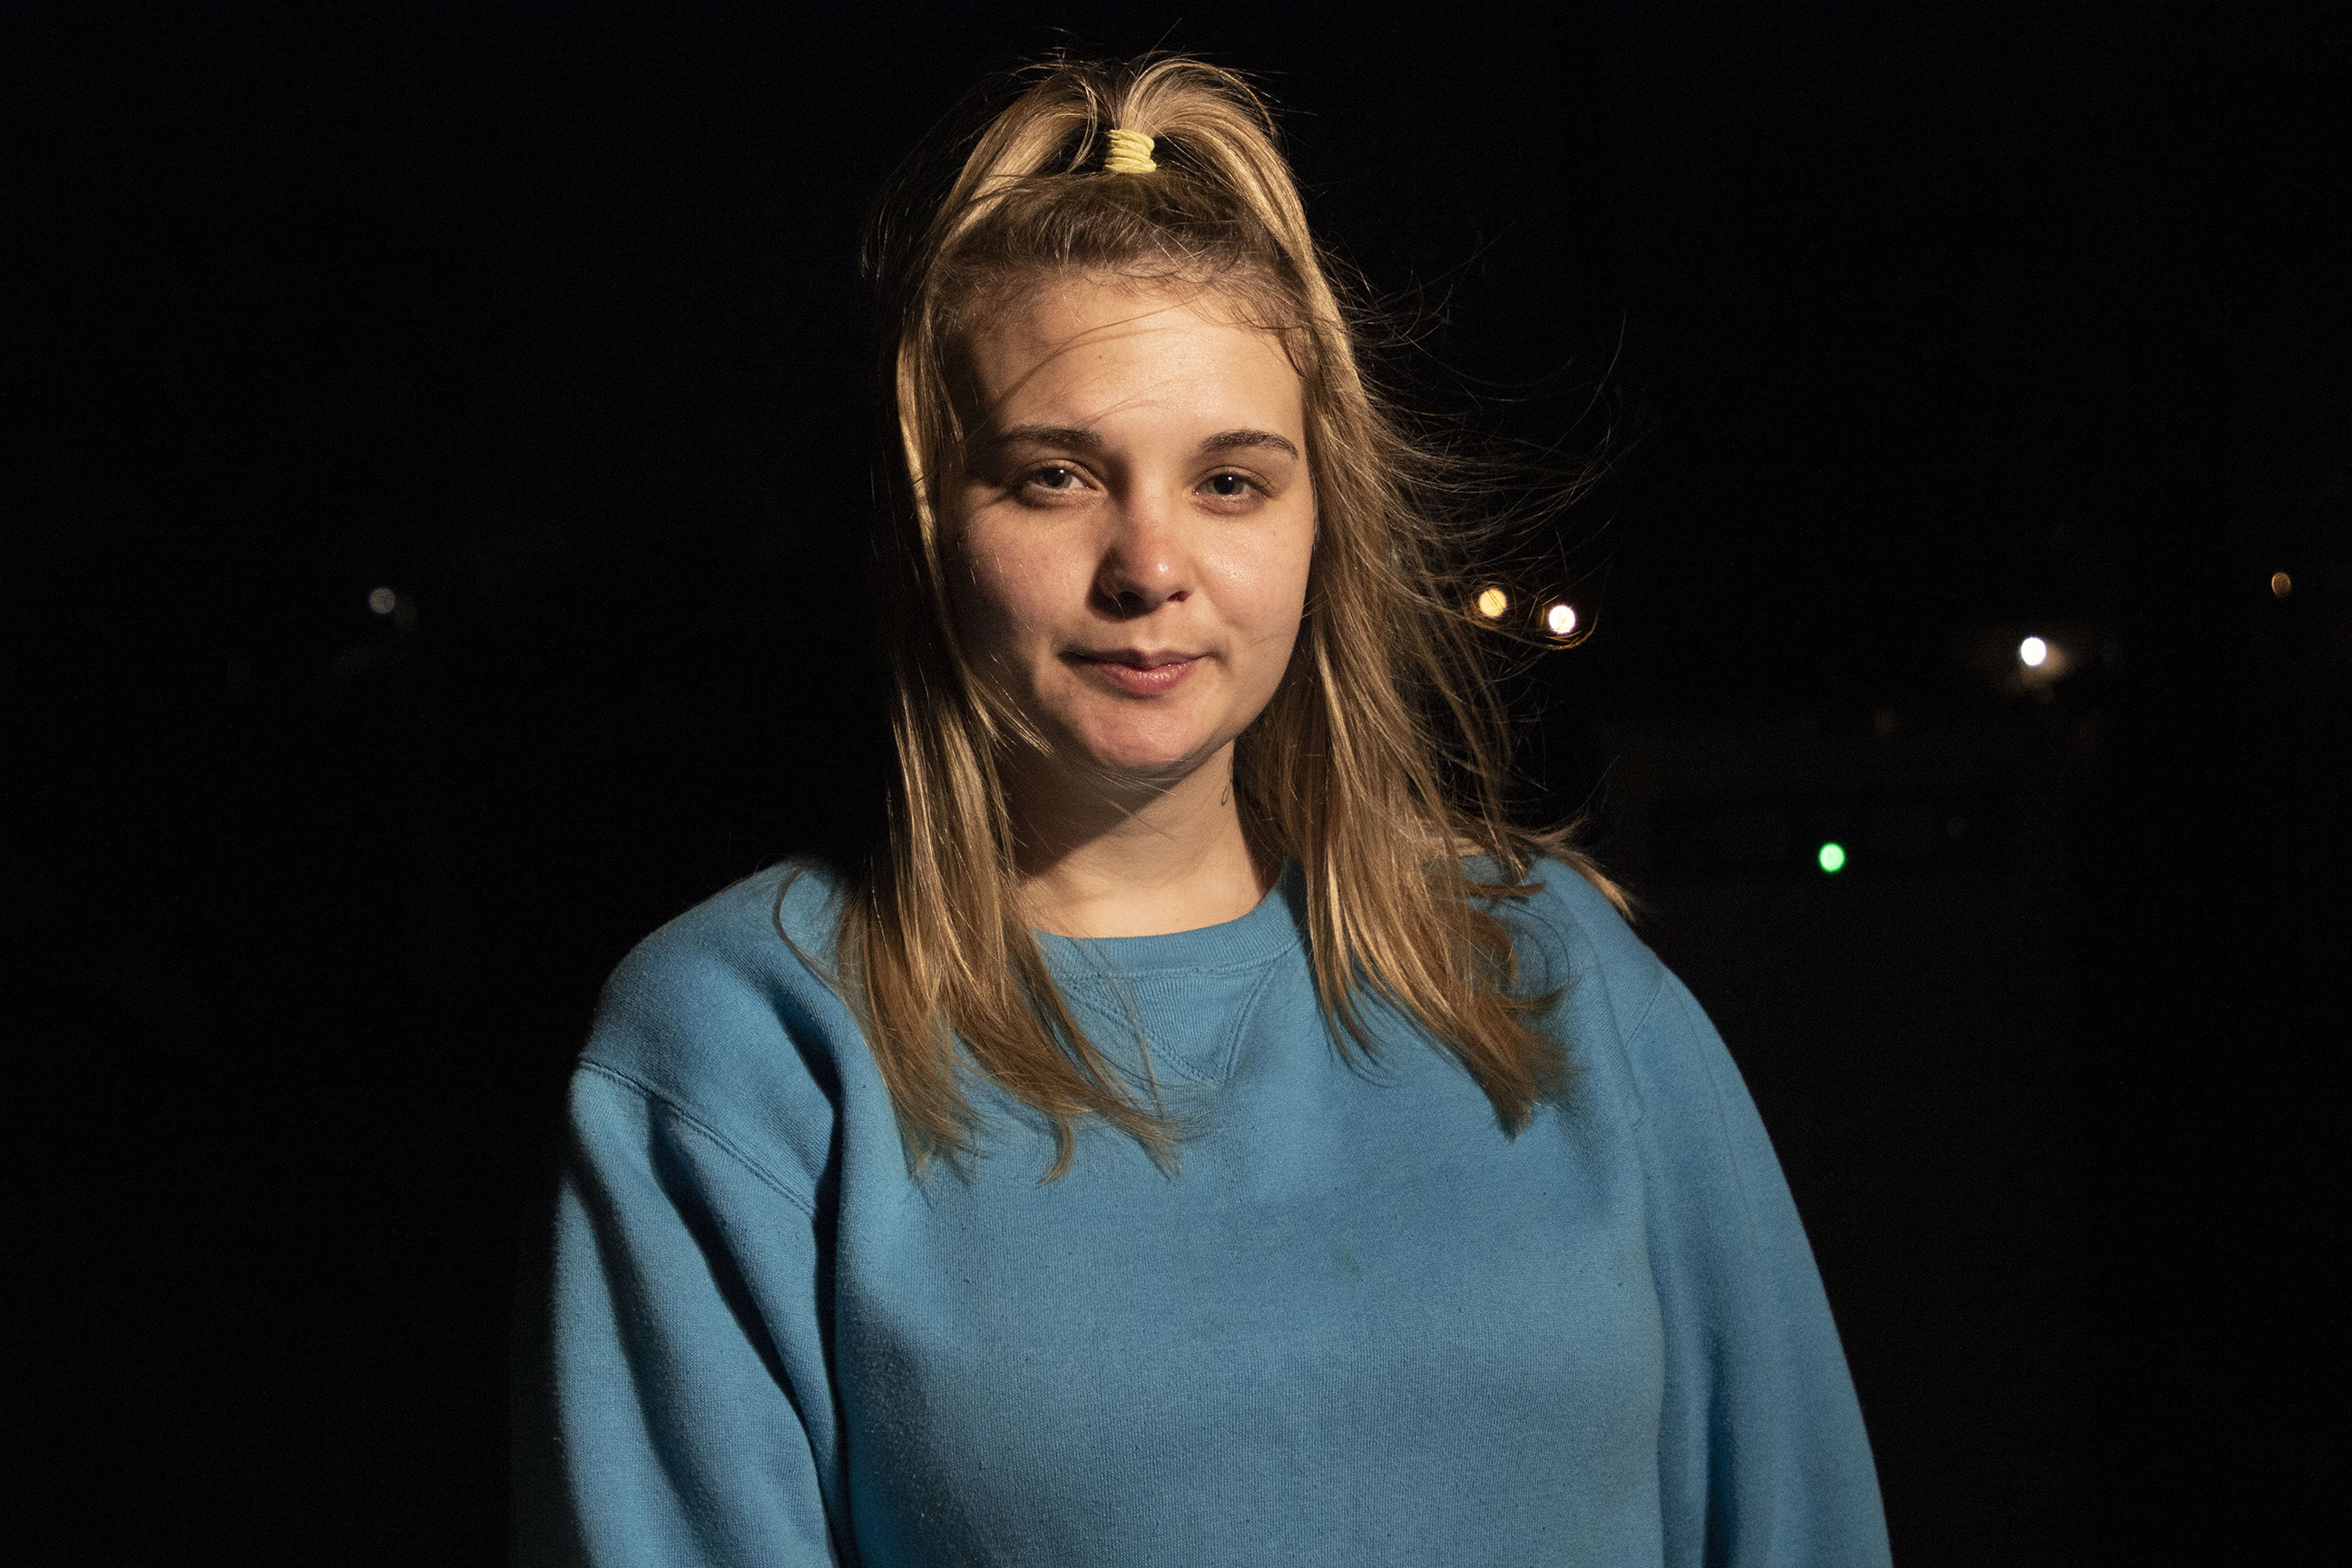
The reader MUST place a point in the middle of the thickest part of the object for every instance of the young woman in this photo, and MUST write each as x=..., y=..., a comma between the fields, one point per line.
x=1206, y=1131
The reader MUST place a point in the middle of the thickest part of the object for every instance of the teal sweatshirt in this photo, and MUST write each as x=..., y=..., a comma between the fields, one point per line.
x=1362, y=1325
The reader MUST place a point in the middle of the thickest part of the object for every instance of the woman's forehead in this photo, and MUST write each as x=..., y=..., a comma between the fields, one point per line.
x=1081, y=346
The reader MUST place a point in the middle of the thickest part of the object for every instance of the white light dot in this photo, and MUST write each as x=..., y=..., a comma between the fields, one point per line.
x=383, y=601
x=1493, y=603
x=2032, y=653
x=1560, y=619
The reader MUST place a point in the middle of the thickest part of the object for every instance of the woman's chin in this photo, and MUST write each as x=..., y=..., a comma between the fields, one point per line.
x=1154, y=760
x=1145, y=767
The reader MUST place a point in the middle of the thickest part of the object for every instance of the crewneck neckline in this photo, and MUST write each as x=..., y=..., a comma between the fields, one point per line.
x=1275, y=926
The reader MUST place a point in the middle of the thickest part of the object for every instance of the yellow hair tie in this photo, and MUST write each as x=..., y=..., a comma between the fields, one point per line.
x=1130, y=153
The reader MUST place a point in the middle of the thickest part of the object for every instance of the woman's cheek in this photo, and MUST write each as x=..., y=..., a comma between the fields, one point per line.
x=1002, y=585
x=1268, y=591
x=1036, y=598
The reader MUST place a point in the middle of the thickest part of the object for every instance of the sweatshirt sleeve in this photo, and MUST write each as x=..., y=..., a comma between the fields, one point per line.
x=657, y=1425
x=1762, y=1451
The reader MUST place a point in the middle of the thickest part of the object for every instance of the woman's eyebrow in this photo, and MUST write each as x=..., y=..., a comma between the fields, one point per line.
x=1071, y=435
x=1077, y=437
x=1229, y=440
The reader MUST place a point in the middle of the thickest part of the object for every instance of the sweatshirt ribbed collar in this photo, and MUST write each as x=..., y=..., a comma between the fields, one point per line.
x=1276, y=926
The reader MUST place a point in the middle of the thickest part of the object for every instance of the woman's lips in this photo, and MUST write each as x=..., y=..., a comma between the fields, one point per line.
x=1138, y=674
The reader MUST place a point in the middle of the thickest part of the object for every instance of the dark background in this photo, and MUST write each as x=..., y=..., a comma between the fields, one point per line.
x=1935, y=328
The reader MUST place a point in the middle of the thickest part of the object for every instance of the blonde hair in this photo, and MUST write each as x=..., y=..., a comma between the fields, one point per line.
x=1379, y=763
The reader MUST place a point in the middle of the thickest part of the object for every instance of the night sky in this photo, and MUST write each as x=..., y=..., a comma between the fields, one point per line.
x=1889, y=335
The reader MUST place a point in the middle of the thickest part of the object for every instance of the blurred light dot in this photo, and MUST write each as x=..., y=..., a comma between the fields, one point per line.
x=2282, y=584
x=1832, y=856
x=1493, y=603
x=2032, y=653
x=1560, y=619
x=383, y=601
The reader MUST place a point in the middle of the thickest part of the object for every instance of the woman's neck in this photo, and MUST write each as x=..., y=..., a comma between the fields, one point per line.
x=1098, y=860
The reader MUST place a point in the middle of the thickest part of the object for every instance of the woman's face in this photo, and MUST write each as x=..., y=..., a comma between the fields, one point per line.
x=1137, y=521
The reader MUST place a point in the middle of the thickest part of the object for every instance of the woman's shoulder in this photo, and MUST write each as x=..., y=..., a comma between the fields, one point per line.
x=724, y=1012
x=740, y=934
x=1623, y=1010
x=1581, y=940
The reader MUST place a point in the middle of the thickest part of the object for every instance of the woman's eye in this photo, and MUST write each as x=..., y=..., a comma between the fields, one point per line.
x=1053, y=478
x=1228, y=487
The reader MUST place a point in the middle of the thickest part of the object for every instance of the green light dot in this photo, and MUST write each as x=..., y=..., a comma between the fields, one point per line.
x=1832, y=856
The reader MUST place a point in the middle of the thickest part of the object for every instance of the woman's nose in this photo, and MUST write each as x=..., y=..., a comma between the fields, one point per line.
x=1144, y=564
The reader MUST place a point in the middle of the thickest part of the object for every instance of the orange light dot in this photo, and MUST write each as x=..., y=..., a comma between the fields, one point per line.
x=1493, y=603
x=2282, y=584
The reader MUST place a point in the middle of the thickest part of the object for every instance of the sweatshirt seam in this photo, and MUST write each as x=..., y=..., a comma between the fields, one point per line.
x=1629, y=1036
x=1164, y=1055
x=725, y=1145
x=1649, y=1009
x=1631, y=1042
x=1230, y=1050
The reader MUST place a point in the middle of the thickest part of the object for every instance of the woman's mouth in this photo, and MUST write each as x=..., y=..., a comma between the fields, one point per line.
x=1136, y=672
